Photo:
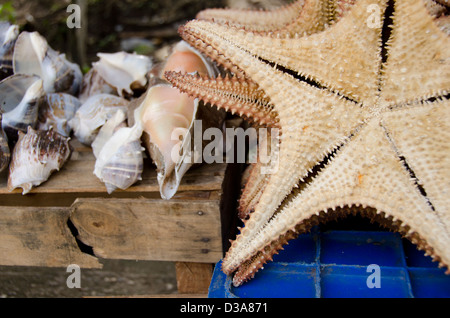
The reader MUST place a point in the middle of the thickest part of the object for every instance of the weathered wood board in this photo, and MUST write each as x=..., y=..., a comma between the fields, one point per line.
x=150, y=229
x=128, y=224
x=32, y=236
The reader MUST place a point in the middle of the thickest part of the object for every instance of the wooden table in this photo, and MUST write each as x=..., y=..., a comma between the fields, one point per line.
x=71, y=219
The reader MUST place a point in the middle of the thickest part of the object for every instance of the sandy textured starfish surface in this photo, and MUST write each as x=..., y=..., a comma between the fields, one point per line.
x=363, y=107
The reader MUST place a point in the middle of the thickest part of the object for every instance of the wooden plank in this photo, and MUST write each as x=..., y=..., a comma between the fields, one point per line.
x=150, y=229
x=76, y=176
x=32, y=236
x=193, y=278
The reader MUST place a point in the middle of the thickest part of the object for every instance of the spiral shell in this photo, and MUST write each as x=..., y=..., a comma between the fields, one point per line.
x=35, y=157
x=56, y=111
x=118, y=120
x=33, y=56
x=93, y=114
x=93, y=84
x=167, y=117
x=20, y=97
x=8, y=37
x=120, y=161
x=125, y=72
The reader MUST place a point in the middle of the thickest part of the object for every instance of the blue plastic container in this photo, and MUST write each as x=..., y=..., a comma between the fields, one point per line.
x=336, y=264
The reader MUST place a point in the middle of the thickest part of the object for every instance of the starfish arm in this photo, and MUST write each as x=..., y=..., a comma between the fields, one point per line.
x=301, y=129
x=267, y=155
x=351, y=48
x=252, y=191
x=418, y=63
x=355, y=177
x=240, y=96
x=301, y=17
x=254, y=20
x=425, y=147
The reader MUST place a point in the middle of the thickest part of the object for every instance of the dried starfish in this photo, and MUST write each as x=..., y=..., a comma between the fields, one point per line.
x=372, y=111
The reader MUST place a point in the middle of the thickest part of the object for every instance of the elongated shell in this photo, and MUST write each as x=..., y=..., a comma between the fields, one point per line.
x=56, y=111
x=20, y=97
x=167, y=117
x=35, y=157
x=8, y=37
x=120, y=162
x=124, y=71
x=5, y=153
x=93, y=114
x=33, y=56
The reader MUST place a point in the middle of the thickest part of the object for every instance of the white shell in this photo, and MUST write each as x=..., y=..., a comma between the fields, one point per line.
x=20, y=96
x=33, y=56
x=56, y=111
x=94, y=84
x=124, y=71
x=117, y=121
x=120, y=162
x=36, y=155
x=8, y=36
x=93, y=114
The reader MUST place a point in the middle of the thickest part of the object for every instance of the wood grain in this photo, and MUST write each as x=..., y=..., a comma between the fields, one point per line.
x=150, y=229
x=32, y=236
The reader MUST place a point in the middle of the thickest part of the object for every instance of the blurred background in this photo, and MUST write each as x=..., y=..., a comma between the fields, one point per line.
x=143, y=26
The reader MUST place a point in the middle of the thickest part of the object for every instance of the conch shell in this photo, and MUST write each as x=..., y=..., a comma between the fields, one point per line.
x=56, y=111
x=123, y=72
x=36, y=155
x=118, y=120
x=93, y=114
x=5, y=153
x=8, y=36
x=167, y=117
x=20, y=97
x=33, y=56
x=120, y=159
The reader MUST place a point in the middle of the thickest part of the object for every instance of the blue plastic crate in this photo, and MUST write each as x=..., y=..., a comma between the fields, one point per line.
x=335, y=264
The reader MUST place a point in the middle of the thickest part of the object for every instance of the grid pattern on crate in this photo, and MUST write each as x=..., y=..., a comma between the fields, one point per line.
x=335, y=264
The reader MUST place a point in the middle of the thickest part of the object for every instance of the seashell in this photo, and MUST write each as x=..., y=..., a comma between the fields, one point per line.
x=186, y=59
x=164, y=113
x=8, y=37
x=118, y=120
x=35, y=157
x=56, y=111
x=5, y=153
x=120, y=161
x=125, y=72
x=33, y=55
x=167, y=117
x=20, y=97
x=93, y=114
x=93, y=84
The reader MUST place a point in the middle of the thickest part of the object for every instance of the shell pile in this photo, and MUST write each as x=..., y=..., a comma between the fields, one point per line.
x=120, y=105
